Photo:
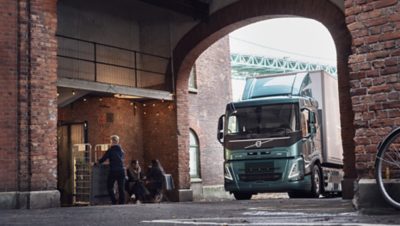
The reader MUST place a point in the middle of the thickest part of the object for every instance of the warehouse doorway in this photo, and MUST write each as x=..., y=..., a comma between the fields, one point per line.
x=68, y=134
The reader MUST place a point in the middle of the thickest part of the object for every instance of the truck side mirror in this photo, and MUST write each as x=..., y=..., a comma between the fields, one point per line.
x=220, y=132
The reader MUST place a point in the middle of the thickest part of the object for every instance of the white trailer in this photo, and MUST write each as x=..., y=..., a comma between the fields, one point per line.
x=325, y=90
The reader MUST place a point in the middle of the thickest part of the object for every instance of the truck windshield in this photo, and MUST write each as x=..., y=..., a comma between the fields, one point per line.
x=271, y=120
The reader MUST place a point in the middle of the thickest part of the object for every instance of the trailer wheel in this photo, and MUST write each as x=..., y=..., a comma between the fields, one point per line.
x=316, y=182
x=242, y=195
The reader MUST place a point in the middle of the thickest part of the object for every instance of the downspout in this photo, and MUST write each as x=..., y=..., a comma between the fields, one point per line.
x=29, y=92
x=17, y=112
x=172, y=58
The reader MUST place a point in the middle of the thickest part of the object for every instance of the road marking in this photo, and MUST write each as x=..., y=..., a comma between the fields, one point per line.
x=244, y=221
x=286, y=214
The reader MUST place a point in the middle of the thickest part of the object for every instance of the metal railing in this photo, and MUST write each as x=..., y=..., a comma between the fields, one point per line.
x=97, y=62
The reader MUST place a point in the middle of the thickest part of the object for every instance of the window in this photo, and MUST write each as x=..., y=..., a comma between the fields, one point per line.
x=194, y=159
x=270, y=120
x=193, y=80
x=305, y=120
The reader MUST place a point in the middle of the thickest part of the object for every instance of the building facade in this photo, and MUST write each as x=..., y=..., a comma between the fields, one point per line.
x=206, y=104
x=365, y=32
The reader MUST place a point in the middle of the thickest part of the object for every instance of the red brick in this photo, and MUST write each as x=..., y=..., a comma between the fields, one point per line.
x=384, y=3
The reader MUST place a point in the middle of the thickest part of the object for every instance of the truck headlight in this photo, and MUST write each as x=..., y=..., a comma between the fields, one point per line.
x=297, y=170
x=227, y=173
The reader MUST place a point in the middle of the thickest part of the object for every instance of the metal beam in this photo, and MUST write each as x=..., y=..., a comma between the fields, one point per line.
x=114, y=89
x=250, y=65
x=66, y=97
x=194, y=8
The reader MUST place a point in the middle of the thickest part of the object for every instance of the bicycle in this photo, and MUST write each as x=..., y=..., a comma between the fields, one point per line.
x=387, y=168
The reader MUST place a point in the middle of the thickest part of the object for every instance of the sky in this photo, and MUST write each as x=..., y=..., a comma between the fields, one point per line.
x=296, y=38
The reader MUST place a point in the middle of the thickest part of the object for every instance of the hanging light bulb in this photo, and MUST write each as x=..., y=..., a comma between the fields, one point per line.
x=73, y=92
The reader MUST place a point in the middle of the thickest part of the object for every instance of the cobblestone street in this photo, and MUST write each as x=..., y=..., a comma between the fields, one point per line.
x=278, y=211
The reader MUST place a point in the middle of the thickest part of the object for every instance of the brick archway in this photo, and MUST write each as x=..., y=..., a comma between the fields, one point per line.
x=246, y=12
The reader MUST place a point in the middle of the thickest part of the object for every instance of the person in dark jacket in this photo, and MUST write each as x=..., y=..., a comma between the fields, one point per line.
x=155, y=177
x=115, y=155
x=134, y=184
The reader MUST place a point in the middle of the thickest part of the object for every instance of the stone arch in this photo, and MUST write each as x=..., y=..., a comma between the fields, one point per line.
x=244, y=12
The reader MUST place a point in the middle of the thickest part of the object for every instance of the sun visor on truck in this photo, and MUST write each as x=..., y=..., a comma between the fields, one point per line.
x=296, y=84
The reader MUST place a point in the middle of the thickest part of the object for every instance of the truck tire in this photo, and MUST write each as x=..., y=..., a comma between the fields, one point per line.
x=242, y=195
x=297, y=194
x=316, y=182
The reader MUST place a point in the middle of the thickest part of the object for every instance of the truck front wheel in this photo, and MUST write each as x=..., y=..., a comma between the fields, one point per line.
x=297, y=194
x=316, y=182
x=242, y=195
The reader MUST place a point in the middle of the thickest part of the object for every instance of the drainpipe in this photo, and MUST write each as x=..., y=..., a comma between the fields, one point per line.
x=172, y=58
x=17, y=131
x=29, y=104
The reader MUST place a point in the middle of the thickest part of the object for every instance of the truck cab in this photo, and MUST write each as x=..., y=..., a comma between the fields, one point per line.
x=272, y=139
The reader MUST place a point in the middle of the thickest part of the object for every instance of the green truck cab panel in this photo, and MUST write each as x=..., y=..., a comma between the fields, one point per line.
x=295, y=84
x=271, y=175
x=266, y=170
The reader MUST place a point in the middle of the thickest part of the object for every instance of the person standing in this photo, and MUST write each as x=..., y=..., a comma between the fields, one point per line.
x=115, y=155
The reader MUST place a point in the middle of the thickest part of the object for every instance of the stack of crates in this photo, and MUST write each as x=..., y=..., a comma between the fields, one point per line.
x=82, y=173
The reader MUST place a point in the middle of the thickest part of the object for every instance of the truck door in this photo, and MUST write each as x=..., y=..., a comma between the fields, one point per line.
x=309, y=129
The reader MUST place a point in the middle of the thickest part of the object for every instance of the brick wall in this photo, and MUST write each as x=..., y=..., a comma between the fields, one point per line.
x=159, y=136
x=208, y=104
x=125, y=118
x=42, y=99
x=374, y=75
x=147, y=129
x=28, y=129
x=8, y=95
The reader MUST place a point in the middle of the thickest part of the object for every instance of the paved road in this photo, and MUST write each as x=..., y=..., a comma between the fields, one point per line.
x=253, y=212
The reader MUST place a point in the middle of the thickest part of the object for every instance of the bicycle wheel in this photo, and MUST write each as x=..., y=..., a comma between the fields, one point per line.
x=387, y=168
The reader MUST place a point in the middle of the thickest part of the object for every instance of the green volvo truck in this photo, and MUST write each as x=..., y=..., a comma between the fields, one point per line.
x=284, y=136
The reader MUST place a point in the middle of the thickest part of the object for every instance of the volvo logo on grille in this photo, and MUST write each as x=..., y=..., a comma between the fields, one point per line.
x=258, y=143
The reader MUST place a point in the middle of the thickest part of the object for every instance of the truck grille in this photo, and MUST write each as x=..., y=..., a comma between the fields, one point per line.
x=260, y=171
x=259, y=167
x=260, y=177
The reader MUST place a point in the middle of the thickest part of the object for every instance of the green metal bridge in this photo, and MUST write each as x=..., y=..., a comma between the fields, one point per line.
x=248, y=65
